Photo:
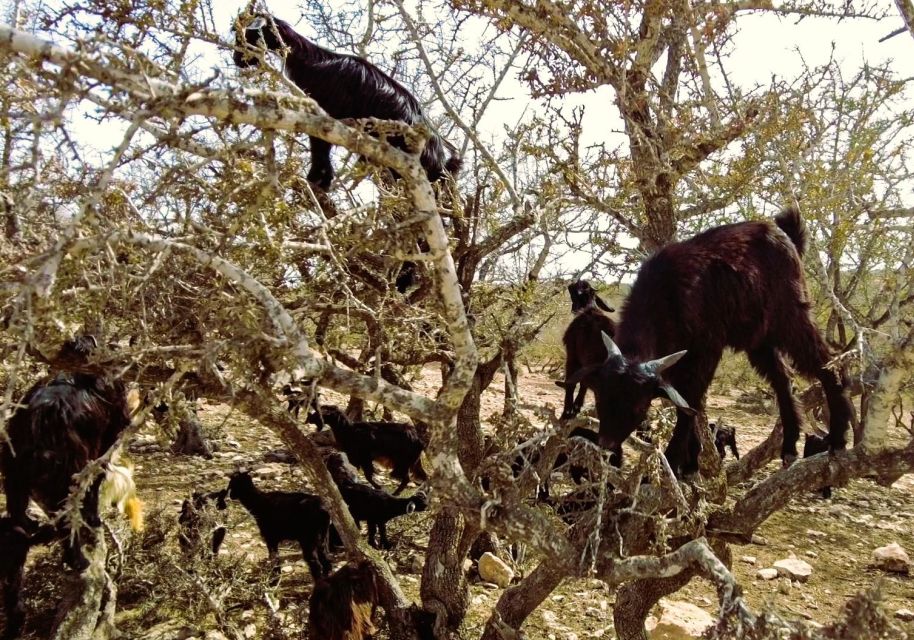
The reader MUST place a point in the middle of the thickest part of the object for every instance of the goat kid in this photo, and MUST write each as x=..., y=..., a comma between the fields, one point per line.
x=284, y=515
x=724, y=437
x=396, y=445
x=815, y=444
x=342, y=605
x=368, y=504
x=197, y=516
x=345, y=86
x=740, y=286
x=583, y=345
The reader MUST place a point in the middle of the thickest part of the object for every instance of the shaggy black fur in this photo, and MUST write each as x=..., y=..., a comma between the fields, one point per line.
x=345, y=86
x=739, y=286
x=396, y=445
x=583, y=342
x=724, y=437
x=813, y=445
x=367, y=504
x=284, y=515
x=342, y=605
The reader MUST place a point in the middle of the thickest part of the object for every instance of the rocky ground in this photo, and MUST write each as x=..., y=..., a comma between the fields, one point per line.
x=832, y=542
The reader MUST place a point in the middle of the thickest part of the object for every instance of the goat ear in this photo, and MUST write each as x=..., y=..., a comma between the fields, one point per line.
x=612, y=351
x=676, y=399
x=662, y=364
x=258, y=23
x=602, y=304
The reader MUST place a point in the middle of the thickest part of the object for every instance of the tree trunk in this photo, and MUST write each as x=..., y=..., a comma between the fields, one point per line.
x=635, y=599
x=87, y=610
x=519, y=601
x=444, y=589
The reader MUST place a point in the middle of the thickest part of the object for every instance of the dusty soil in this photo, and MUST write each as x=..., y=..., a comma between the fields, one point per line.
x=835, y=536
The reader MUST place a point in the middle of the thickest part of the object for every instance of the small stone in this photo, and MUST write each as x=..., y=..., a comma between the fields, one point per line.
x=494, y=569
x=682, y=618
x=813, y=533
x=812, y=554
x=795, y=569
x=767, y=574
x=893, y=558
x=784, y=585
x=558, y=598
x=759, y=540
x=747, y=559
x=250, y=630
x=905, y=614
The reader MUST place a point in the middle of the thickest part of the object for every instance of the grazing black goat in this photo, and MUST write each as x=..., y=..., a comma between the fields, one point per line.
x=60, y=426
x=813, y=445
x=342, y=605
x=15, y=543
x=284, y=515
x=196, y=516
x=297, y=397
x=738, y=285
x=367, y=504
x=583, y=344
x=530, y=455
x=724, y=437
x=345, y=86
x=396, y=445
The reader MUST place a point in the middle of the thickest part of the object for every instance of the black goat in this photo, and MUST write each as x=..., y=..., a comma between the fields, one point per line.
x=15, y=542
x=813, y=445
x=724, y=437
x=396, y=445
x=530, y=455
x=196, y=516
x=342, y=605
x=297, y=397
x=59, y=427
x=345, y=86
x=740, y=286
x=367, y=504
x=583, y=344
x=284, y=515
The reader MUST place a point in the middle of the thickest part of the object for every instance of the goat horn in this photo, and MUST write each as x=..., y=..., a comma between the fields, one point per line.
x=662, y=364
x=612, y=351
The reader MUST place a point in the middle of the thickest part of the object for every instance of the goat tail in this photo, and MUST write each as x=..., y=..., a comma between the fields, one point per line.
x=792, y=224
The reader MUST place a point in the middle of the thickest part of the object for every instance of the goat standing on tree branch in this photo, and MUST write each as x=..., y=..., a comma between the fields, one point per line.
x=345, y=86
x=739, y=286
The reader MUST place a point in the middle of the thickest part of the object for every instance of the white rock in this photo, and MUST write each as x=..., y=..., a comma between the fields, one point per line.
x=812, y=533
x=892, y=557
x=759, y=540
x=905, y=614
x=794, y=569
x=494, y=569
x=682, y=619
x=748, y=559
x=784, y=585
x=767, y=574
x=250, y=630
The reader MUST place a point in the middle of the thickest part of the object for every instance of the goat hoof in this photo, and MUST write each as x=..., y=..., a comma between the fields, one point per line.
x=787, y=460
